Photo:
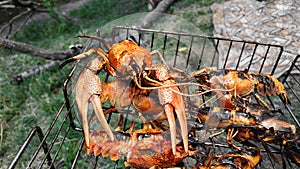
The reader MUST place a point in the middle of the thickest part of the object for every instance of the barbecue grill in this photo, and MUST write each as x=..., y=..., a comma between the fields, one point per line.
x=181, y=50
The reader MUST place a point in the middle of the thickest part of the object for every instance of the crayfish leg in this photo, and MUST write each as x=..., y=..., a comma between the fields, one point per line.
x=262, y=101
x=230, y=135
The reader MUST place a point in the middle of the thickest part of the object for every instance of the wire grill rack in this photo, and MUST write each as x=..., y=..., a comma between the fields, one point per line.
x=61, y=145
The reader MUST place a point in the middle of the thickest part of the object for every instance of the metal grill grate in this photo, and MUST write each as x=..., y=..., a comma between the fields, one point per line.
x=55, y=148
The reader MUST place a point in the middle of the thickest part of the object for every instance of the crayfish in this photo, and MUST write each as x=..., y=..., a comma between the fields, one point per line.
x=128, y=63
x=245, y=127
x=235, y=86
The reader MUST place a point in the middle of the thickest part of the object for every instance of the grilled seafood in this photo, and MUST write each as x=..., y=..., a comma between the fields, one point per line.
x=262, y=126
x=172, y=102
x=127, y=62
x=274, y=134
x=227, y=120
x=269, y=130
x=162, y=103
x=239, y=84
x=247, y=158
x=144, y=148
x=152, y=90
x=123, y=58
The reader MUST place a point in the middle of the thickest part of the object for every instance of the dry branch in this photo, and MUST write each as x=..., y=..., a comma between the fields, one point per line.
x=72, y=51
x=16, y=79
x=57, y=56
x=9, y=24
x=35, y=51
x=148, y=20
x=20, y=3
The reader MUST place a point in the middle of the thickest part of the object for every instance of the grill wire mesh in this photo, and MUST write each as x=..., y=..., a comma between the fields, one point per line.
x=61, y=145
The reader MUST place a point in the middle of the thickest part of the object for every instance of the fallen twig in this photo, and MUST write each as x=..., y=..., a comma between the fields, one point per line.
x=20, y=77
x=31, y=72
x=35, y=51
x=148, y=20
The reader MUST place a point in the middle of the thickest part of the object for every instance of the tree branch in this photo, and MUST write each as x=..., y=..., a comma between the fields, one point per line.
x=17, y=79
x=29, y=4
x=35, y=51
x=155, y=14
x=14, y=19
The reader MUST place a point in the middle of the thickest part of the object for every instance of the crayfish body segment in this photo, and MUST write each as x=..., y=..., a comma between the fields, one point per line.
x=143, y=148
x=223, y=118
x=246, y=159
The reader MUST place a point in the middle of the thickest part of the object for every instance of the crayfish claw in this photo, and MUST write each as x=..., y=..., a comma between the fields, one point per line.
x=97, y=105
x=171, y=119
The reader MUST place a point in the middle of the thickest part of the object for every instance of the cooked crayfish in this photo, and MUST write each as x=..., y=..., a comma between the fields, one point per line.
x=127, y=62
x=216, y=117
x=172, y=101
x=226, y=119
x=274, y=134
x=235, y=85
x=122, y=59
x=144, y=148
x=263, y=128
x=161, y=103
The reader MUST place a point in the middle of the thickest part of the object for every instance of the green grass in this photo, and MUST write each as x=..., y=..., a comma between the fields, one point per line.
x=36, y=100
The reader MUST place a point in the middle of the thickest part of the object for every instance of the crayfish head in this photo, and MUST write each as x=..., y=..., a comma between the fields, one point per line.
x=126, y=56
x=161, y=72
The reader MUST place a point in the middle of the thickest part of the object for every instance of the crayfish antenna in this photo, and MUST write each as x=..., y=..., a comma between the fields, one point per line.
x=106, y=44
x=64, y=63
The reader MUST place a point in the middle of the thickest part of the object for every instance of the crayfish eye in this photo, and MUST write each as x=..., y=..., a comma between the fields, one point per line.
x=241, y=75
x=252, y=151
x=142, y=136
